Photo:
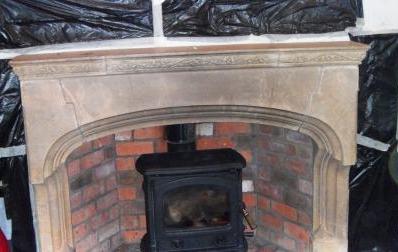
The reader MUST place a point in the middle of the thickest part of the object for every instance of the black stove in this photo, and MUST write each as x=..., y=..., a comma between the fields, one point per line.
x=193, y=201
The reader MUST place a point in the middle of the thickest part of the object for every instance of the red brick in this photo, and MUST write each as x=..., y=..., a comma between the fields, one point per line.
x=83, y=149
x=142, y=219
x=269, y=190
x=304, y=151
x=296, y=165
x=286, y=243
x=284, y=148
x=75, y=200
x=149, y=133
x=272, y=222
x=109, y=152
x=116, y=241
x=83, y=214
x=296, y=232
x=160, y=146
x=265, y=249
x=226, y=128
x=124, y=136
x=103, y=141
x=134, y=148
x=92, y=159
x=73, y=168
x=302, y=246
x=105, y=169
x=250, y=199
x=104, y=246
x=271, y=130
x=263, y=143
x=269, y=159
x=123, y=164
x=115, y=212
x=298, y=137
x=284, y=210
x=264, y=234
x=133, y=236
x=109, y=230
x=111, y=183
x=81, y=231
x=247, y=154
x=265, y=129
x=107, y=200
x=87, y=243
x=102, y=187
x=130, y=222
x=127, y=193
x=104, y=217
x=304, y=218
x=90, y=193
x=100, y=219
x=264, y=173
x=214, y=143
x=132, y=207
x=263, y=203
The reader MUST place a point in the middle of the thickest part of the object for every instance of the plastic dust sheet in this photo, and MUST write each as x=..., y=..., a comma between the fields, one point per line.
x=244, y=17
x=13, y=171
x=36, y=22
x=373, y=216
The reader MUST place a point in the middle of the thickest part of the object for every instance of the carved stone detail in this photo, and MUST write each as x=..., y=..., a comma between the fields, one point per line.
x=319, y=58
x=188, y=61
x=62, y=68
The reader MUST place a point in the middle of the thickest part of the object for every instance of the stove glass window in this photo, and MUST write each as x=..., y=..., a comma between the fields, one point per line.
x=196, y=206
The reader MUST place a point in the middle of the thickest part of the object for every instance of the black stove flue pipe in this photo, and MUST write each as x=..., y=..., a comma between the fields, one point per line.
x=181, y=137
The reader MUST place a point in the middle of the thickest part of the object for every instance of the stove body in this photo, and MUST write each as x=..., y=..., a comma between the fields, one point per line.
x=193, y=201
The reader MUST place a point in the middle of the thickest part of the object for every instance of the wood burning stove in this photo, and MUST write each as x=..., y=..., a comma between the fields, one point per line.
x=193, y=201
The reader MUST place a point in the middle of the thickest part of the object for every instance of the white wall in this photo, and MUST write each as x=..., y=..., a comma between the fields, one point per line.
x=381, y=16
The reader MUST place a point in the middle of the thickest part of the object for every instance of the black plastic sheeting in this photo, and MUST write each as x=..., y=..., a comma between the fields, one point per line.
x=244, y=17
x=26, y=23
x=373, y=216
x=14, y=171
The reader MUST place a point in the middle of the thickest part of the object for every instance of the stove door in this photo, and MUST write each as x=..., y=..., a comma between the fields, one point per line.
x=199, y=213
x=196, y=207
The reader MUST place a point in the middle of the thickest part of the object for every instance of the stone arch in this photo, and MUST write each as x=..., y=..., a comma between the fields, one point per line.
x=330, y=201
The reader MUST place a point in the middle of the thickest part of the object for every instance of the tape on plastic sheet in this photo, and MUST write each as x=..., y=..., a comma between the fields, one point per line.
x=13, y=151
x=372, y=143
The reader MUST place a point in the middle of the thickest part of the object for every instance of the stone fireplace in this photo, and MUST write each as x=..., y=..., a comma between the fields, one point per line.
x=70, y=99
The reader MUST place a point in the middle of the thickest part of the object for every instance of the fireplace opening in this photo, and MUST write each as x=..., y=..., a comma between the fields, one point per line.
x=107, y=199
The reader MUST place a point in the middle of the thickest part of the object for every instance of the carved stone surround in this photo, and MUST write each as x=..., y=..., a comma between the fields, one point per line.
x=71, y=98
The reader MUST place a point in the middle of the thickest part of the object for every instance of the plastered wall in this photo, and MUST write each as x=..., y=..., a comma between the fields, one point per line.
x=380, y=16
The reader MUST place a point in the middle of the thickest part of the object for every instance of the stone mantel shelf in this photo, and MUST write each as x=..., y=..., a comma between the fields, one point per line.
x=70, y=64
x=73, y=97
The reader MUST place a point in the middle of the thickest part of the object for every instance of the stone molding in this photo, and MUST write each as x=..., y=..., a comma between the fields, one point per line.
x=190, y=60
x=69, y=99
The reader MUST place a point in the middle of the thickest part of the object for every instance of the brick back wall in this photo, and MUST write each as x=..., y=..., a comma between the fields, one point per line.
x=107, y=200
x=94, y=196
x=129, y=146
x=283, y=186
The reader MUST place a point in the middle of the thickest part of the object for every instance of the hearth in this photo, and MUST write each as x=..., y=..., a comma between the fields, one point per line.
x=193, y=201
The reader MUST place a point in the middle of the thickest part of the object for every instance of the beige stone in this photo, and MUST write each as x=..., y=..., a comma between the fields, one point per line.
x=70, y=98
